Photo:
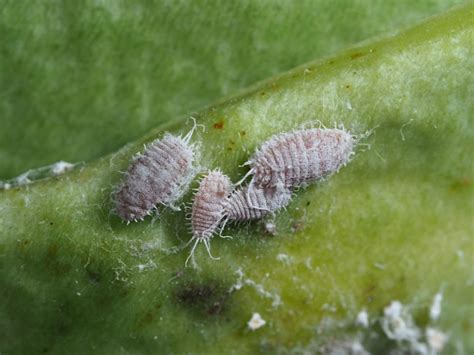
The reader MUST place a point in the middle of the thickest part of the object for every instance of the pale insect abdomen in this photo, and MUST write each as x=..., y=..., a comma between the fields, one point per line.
x=250, y=203
x=301, y=157
x=159, y=175
x=209, y=204
x=208, y=209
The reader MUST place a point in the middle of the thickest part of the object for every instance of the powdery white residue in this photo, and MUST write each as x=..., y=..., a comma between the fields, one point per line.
x=23, y=179
x=329, y=308
x=5, y=185
x=256, y=322
x=436, y=340
x=379, y=266
x=61, y=167
x=284, y=258
x=398, y=324
x=362, y=319
x=271, y=228
x=242, y=281
x=435, y=310
x=147, y=266
x=44, y=172
x=343, y=347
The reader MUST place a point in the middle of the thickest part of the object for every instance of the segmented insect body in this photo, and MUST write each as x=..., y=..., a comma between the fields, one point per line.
x=158, y=176
x=300, y=157
x=250, y=203
x=208, y=208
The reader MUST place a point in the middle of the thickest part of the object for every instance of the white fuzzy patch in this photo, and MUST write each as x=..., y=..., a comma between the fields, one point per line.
x=436, y=340
x=256, y=322
x=61, y=167
x=362, y=319
x=242, y=281
x=398, y=324
x=435, y=310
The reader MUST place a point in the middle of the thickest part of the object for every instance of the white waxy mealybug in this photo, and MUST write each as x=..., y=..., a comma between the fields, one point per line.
x=300, y=157
x=208, y=208
x=250, y=203
x=160, y=175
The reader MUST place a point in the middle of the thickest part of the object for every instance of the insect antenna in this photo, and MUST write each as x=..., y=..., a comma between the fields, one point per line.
x=191, y=254
x=208, y=248
x=188, y=135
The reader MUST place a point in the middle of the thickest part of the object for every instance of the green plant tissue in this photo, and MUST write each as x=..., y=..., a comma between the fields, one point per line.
x=374, y=259
x=79, y=79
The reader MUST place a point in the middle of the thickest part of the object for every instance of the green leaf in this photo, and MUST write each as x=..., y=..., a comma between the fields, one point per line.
x=79, y=79
x=395, y=224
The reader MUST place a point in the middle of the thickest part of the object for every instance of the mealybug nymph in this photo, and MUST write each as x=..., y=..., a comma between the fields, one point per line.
x=208, y=209
x=160, y=175
x=250, y=203
x=300, y=157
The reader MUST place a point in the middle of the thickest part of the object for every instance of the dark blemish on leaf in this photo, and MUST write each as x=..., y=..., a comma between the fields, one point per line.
x=357, y=55
x=51, y=223
x=63, y=328
x=146, y=320
x=204, y=299
x=297, y=226
x=348, y=87
x=331, y=62
x=370, y=288
x=23, y=244
x=54, y=263
x=219, y=125
x=52, y=251
x=93, y=277
x=308, y=203
x=263, y=93
x=242, y=133
x=368, y=292
x=460, y=184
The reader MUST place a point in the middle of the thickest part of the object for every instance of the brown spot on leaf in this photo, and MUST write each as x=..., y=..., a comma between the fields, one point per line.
x=205, y=299
x=93, y=277
x=52, y=251
x=357, y=55
x=460, y=184
x=219, y=125
x=147, y=319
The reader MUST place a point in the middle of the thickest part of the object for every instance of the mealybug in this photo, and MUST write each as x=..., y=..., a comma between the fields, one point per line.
x=208, y=208
x=250, y=203
x=300, y=157
x=160, y=175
